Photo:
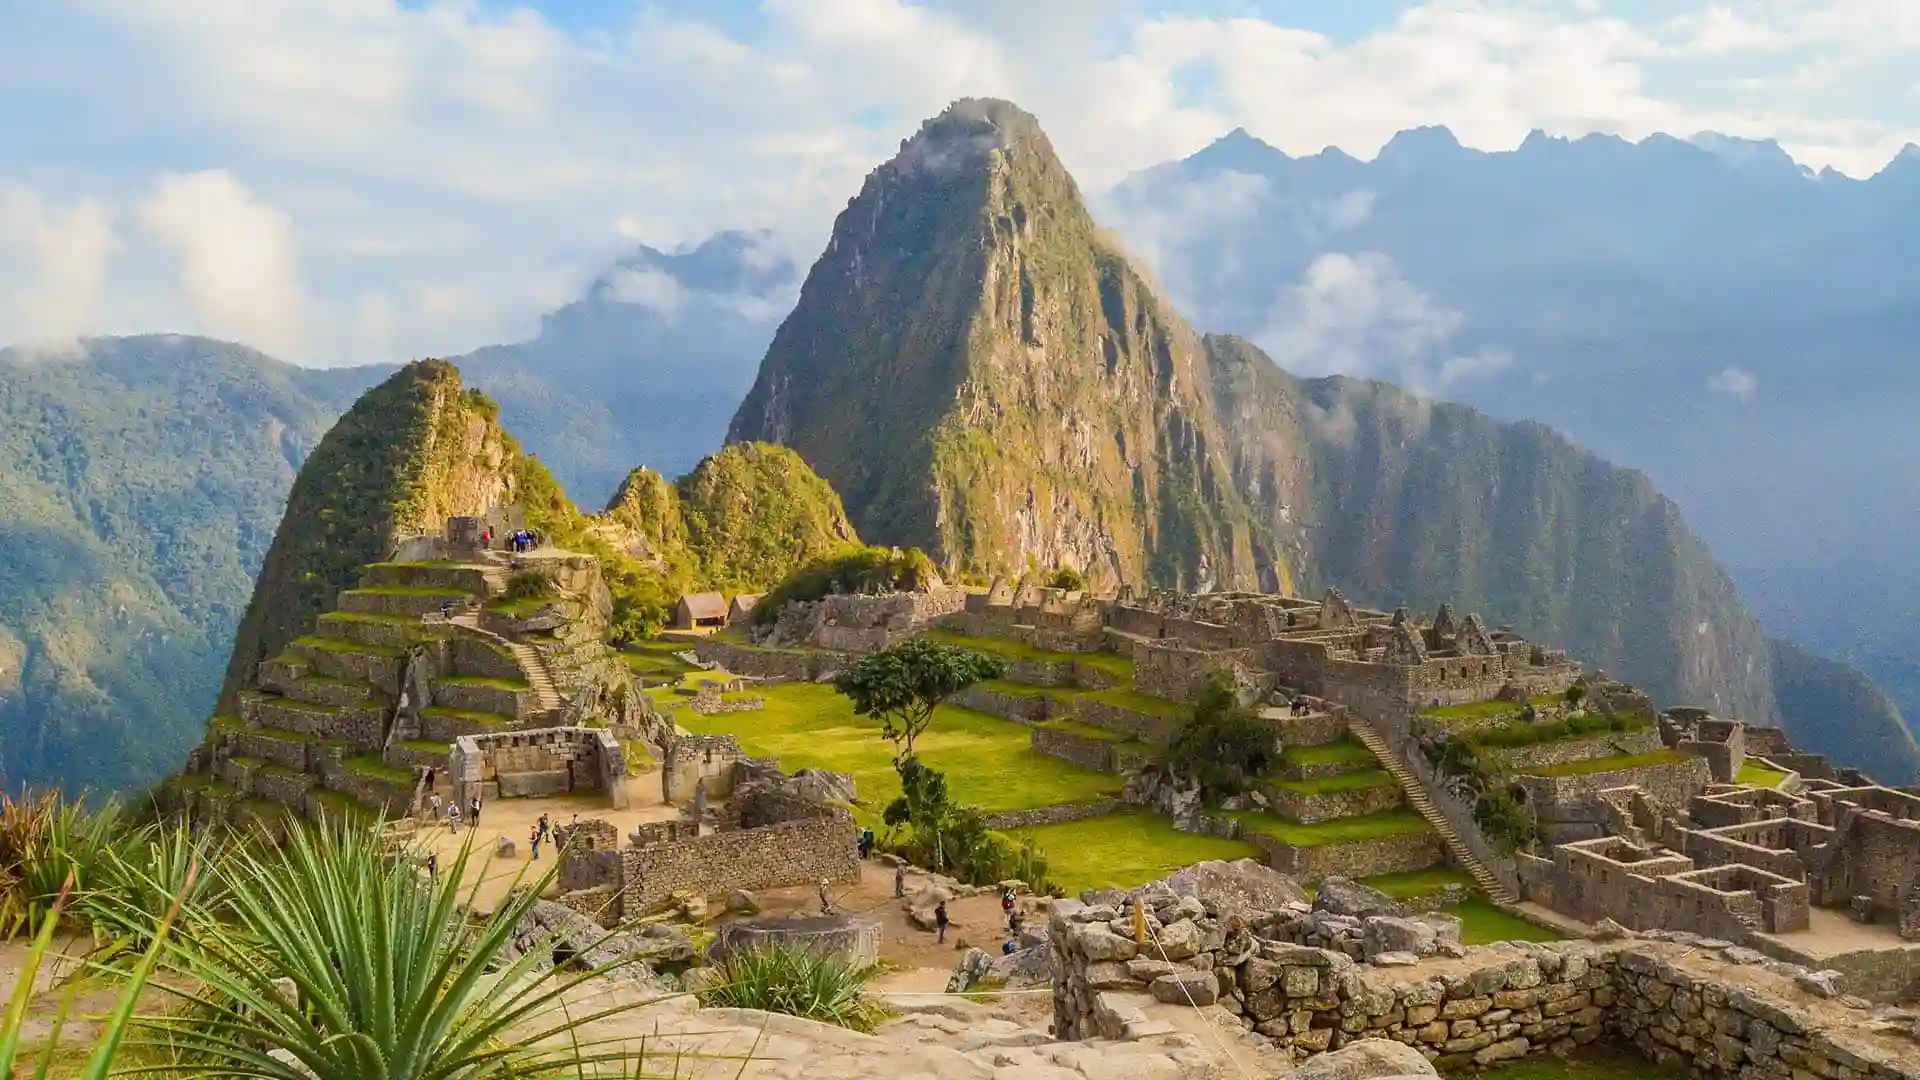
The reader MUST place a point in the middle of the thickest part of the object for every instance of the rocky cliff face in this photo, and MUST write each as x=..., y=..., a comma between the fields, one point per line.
x=413, y=451
x=980, y=374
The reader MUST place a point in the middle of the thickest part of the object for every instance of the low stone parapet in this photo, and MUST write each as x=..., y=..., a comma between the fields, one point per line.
x=1318, y=807
x=1051, y=815
x=1350, y=858
x=1029, y=708
x=850, y=937
x=1566, y=751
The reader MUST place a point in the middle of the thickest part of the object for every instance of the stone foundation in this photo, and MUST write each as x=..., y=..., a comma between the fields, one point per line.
x=1682, y=1005
x=538, y=763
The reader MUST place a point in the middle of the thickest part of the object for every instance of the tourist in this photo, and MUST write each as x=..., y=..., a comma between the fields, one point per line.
x=431, y=775
x=534, y=841
x=474, y=807
x=1010, y=947
x=1006, y=903
x=433, y=866
x=1014, y=921
x=545, y=826
x=899, y=881
x=434, y=801
x=453, y=817
x=826, y=904
x=940, y=920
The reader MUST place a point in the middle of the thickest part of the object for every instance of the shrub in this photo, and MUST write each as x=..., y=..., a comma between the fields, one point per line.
x=954, y=839
x=531, y=585
x=1576, y=694
x=799, y=981
x=851, y=570
x=1224, y=747
x=1066, y=577
x=48, y=845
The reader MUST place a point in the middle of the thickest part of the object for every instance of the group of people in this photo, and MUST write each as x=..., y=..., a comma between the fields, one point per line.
x=522, y=541
x=541, y=830
x=453, y=813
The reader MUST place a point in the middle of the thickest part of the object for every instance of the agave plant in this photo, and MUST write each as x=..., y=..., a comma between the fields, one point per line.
x=115, y=1028
x=799, y=981
x=49, y=844
x=329, y=958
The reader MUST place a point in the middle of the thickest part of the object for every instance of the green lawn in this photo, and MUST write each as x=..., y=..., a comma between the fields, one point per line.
x=1343, y=751
x=1087, y=731
x=1386, y=823
x=1418, y=883
x=403, y=590
x=1608, y=764
x=1364, y=780
x=512, y=685
x=487, y=719
x=1473, y=710
x=989, y=762
x=1753, y=772
x=1125, y=850
x=338, y=645
x=1114, y=664
x=372, y=765
x=1123, y=698
x=1020, y=689
x=1481, y=922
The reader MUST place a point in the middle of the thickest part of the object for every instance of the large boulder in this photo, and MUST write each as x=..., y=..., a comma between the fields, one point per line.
x=1188, y=987
x=1368, y=1059
x=1344, y=896
x=822, y=786
x=1243, y=885
x=1386, y=934
x=972, y=968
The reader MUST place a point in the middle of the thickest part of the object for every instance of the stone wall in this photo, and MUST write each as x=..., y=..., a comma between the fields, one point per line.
x=1327, y=806
x=796, y=851
x=1354, y=859
x=1682, y=1005
x=1086, y=751
x=1145, y=727
x=538, y=763
x=1565, y=751
x=1177, y=673
x=774, y=665
x=1051, y=815
x=472, y=654
x=694, y=758
x=1569, y=808
x=1019, y=708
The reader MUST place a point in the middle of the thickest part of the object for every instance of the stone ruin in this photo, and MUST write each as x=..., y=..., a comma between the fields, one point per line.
x=1682, y=1000
x=744, y=825
x=539, y=763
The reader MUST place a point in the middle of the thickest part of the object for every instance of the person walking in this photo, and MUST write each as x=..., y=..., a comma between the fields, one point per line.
x=545, y=826
x=473, y=807
x=433, y=866
x=826, y=903
x=1006, y=903
x=534, y=841
x=434, y=801
x=453, y=818
x=940, y=920
x=899, y=881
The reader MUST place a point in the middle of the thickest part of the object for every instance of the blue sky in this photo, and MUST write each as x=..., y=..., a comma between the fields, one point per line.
x=344, y=181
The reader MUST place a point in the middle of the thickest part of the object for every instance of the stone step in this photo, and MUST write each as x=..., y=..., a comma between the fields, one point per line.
x=1422, y=804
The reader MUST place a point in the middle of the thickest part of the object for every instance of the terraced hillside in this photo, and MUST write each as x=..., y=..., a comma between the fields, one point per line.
x=1042, y=751
x=322, y=726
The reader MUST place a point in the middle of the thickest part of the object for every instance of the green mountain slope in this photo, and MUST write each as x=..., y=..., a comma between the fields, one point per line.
x=1836, y=710
x=139, y=481
x=411, y=452
x=980, y=373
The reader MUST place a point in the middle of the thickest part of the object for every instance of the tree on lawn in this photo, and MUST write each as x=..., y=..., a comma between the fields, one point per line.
x=903, y=685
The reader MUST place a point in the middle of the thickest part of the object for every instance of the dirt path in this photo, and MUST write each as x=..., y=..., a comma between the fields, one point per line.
x=976, y=920
x=515, y=819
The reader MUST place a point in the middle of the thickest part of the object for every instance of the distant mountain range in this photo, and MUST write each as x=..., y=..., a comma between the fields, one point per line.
x=142, y=482
x=1745, y=331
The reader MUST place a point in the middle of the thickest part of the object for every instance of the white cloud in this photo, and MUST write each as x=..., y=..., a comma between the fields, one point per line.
x=237, y=263
x=1735, y=382
x=485, y=150
x=53, y=264
x=1356, y=314
x=649, y=288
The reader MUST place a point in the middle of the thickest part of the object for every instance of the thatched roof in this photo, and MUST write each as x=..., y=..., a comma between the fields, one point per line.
x=704, y=605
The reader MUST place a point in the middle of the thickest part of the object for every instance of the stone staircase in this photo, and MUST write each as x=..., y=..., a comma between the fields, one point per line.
x=1422, y=804
x=539, y=676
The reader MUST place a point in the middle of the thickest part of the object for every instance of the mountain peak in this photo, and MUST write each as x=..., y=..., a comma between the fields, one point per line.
x=1421, y=145
x=964, y=133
